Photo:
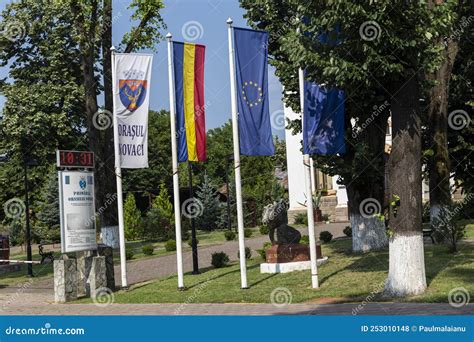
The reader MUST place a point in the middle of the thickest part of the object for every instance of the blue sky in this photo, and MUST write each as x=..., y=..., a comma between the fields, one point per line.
x=205, y=22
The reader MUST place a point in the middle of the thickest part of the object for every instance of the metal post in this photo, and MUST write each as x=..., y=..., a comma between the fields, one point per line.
x=118, y=175
x=229, y=219
x=29, y=257
x=174, y=158
x=309, y=192
x=235, y=135
x=193, y=223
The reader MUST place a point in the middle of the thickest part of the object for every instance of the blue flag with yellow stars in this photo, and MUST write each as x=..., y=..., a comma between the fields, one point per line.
x=323, y=121
x=251, y=61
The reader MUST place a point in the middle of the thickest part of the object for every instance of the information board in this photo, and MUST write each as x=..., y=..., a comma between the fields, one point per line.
x=77, y=211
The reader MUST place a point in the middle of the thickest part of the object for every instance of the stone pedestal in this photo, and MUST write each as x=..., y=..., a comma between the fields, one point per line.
x=284, y=258
x=84, y=263
x=65, y=280
x=110, y=236
x=293, y=252
x=97, y=276
x=289, y=266
x=108, y=253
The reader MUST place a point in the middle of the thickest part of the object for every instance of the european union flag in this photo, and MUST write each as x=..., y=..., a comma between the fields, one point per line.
x=251, y=60
x=323, y=122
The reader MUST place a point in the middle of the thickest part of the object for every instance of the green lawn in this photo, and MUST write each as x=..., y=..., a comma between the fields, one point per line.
x=205, y=238
x=346, y=277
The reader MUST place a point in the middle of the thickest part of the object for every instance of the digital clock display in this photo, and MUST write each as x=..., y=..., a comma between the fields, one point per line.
x=81, y=159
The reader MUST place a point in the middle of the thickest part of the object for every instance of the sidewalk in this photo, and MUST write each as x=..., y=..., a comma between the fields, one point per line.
x=422, y=309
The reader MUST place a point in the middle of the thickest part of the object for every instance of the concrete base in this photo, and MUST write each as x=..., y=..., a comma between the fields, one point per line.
x=65, y=280
x=98, y=276
x=289, y=266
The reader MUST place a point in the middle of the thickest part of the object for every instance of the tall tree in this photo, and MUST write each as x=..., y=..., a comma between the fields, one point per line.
x=43, y=108
x=437, y=111
x=461, y=107
x=377, y=50
x=361, y=168
x=92, y=17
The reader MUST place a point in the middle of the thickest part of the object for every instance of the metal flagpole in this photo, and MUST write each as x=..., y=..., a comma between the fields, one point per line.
x=235, y=135
x=118, y=175
x=174, y=157
x=309, y=201
x=193, y=223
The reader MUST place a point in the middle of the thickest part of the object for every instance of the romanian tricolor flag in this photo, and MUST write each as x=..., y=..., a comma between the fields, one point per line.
x=188, y=60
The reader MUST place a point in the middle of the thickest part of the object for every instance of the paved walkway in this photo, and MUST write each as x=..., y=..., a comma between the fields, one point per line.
x=238, y=309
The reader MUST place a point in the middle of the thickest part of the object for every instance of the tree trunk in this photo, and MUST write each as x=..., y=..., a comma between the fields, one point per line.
x=406, y=275
x=107, y=159
x=368, y=231
x=366, y=194
x=438, y=163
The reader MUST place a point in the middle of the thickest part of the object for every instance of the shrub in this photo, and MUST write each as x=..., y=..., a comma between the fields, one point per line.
x=248, y=232
x=248, y=253
x=190, y=242
x=262, y=251
x=447, y=227
x=230, y=235
x=170, y=245
x=219, y=259
x=301, y=219
x=148, y=249
x=206, y=205
x=129, y=253
x=132, y=218
x=264, y=230
x=325, y=236
x=159, y=223
x=348, y=231
x=325, y=217
x=304, y=240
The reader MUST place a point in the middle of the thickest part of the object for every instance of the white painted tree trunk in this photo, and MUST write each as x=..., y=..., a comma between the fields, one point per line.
x=110, y=236
x=368, y=233
x=406, y=271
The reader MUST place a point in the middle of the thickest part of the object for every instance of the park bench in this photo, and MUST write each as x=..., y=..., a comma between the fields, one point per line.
x=45, y=255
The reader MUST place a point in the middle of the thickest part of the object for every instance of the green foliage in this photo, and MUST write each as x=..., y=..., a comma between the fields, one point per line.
x=16, y=231
x=129, y=253
x=190, y=242
x=304, y=240
x=219, y=259
x=263, y=250
x=148, y=32
x=47, y=208
x=248, y=232
x=230, y=235
x=461, y=97
x=160, y=217
x=447, y=227
x=325, y=236
x=248, y=253
x=148, y=249
x=301, y=218
x=209, y=205
x=264, y=230
x=347, y=231
x=170, y=245
x=132, y=218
